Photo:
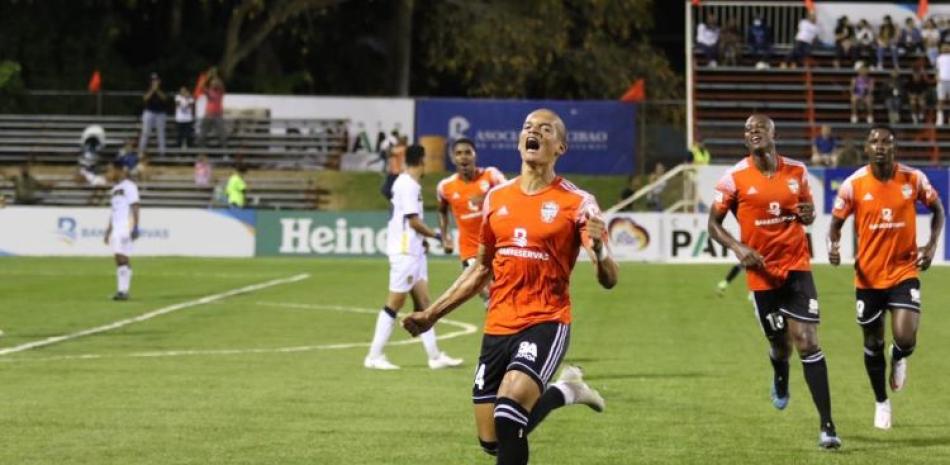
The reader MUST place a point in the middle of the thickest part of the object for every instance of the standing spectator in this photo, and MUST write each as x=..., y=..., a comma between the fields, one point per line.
x=214, y=113
x=911, y=40
x=730, y=43
x=824, y=149
x=930, y=36
x=887, y=40
x=707, y=39
x=127, y=156
x=943, y=80
x=25, y=187
x=894, y=97
x=153, y=116
x=700, y=154
x=944, y=30
x=654, y=201
x=185, y=117
x=917, y=89
x=236, y=188
x=863, y=39
x=807, y=33
x=203, y=171
x=844, y=41
x=862, y=92
x=760, y=41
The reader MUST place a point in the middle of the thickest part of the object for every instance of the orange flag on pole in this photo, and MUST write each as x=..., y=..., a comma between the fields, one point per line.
x=922, y=7
x=95, y=82
x=695, y=2
x=810, y=5
x=636, y=93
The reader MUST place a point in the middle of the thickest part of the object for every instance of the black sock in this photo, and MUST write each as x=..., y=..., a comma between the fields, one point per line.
x=552, y=399
x=511, y=427
x=389, y=311
x=780, y=370
x=898, y=353
x=733, y=273
x=490, y=447
x=876, y=366
x=816, y=375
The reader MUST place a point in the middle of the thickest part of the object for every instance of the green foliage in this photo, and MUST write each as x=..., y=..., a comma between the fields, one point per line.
x=11, y=85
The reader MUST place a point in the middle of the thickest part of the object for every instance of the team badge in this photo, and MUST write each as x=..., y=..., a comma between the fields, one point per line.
x=548, y=211
x=483, y=185
x=887, y=214
x=793, y=185
x=906, y=191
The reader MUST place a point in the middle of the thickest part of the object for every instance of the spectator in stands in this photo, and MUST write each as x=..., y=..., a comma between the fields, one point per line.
x=26, y=187
x=654, y=200
x=844, y=41
x=944, y=29
x=185, y=118
x=804, y=39
x=850, y=155
x=707, y=39
x=824, y=149
x=127, y=155
x=887, y=41
x=90, y=169
x=943, y=80
x=214, y=113
x=864, y=39
x=153, y=116
x=894, y=96
x=760, y=41
x=918, y=86
x=910, y=41
x=730, y=43
x=203, y=171
x=930, y=36
x=236, y=189
x=862, y=93
x=699, y=153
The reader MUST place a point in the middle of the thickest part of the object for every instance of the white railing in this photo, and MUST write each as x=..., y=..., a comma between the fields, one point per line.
x=689, y=200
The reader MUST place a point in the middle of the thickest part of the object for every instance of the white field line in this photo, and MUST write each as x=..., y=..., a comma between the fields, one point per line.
x=138, y=273
x=152, y=314
x=464, y=330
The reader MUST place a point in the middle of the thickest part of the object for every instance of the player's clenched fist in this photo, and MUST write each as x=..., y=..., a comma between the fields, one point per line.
x=417, y=323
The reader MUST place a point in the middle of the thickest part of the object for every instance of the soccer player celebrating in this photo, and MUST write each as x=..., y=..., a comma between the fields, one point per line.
x=532, y=230
x=121, y=231
x=882, y=197
x=408, y=270
x=465, y=192
x=770, y=196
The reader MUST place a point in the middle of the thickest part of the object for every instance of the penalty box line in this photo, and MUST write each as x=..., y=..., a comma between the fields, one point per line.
x=152, y=314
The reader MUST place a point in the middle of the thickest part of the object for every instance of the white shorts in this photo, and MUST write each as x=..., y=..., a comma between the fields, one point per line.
x=943, y=90
x=405, y=271
x=121, y=244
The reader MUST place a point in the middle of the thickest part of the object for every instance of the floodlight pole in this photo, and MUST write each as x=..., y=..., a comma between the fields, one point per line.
x=689, y=73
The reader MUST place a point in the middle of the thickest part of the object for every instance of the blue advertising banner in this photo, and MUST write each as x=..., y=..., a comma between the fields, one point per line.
x=939, y=179
x=601, y=134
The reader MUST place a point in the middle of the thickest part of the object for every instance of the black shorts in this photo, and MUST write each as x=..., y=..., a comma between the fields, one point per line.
x=536, y=351
x=871, y=303
x=796, y=299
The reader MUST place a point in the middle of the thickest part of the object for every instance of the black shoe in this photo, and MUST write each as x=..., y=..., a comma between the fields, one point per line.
x=120, y=296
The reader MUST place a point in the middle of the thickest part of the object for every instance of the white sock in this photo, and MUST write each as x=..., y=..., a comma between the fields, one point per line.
x=124, y=278
x=566, y=391
x=428, y=340
x=384, y=329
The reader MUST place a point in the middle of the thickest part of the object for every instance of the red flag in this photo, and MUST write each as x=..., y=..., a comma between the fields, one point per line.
x=200, y=85
x=95, y=82
x=695, y=2
x=922, y=7
x=636, y=93
x=810, y=5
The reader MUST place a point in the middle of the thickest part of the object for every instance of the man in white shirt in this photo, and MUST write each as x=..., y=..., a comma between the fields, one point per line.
x=185, y=117
x=807, y=33
x=943, y=81
x=408, y=270
x=707, y=39
x=123, y=227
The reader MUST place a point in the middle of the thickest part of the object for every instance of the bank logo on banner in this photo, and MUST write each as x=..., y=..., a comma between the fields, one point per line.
x=626, y=233
x=66, y=229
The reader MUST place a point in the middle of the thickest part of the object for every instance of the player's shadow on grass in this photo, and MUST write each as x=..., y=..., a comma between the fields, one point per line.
x=685, y=374
x=891, y=443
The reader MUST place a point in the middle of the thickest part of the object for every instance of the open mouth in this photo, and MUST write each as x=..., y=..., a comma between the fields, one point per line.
x=532, y=143
x=756, y=139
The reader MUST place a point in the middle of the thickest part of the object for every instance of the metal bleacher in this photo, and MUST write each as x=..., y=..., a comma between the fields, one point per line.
x=280, y=165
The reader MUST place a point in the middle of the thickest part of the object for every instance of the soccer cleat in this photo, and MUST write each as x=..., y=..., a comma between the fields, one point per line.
x=444, y=361
x=120, y=296
x=898, y=373
x=778, y=402
x=572, y=377
x=828, y=440
x=882, y=414
x=721, y=287
x=379, y=362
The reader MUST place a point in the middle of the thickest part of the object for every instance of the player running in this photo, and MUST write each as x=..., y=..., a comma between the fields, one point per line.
x=123, y=227
x=771, y=199
x=532, y=230
x=408, y=269
x=464, y=192
x=882, y=198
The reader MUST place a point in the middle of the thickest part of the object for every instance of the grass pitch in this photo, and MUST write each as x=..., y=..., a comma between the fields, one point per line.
x=275, y=375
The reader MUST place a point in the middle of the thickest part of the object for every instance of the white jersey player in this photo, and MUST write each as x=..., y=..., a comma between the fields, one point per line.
x=123, y=227
x=408, y=273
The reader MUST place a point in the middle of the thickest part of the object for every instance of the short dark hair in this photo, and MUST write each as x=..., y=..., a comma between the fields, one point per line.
x=463, y=140
x=414, y=155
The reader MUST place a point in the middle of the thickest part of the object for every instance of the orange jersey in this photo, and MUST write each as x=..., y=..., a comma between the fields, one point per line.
x=885, y=218
x=766, y=210
x=535, y=239
x=466, y=198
